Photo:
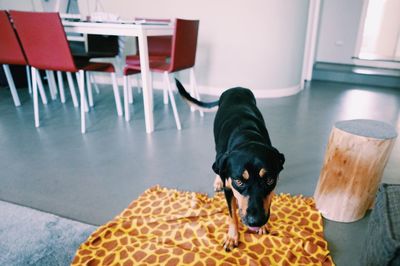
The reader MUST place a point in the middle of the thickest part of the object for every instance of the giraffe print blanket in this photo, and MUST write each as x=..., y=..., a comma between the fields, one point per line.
x=168, y=227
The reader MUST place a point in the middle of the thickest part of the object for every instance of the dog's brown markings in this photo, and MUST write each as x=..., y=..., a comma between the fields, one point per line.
x=237, y=201
x=218, y=184
x=267, y=204
x=242, y=201
x=232, y=238
x=245, y=175
x=262, y=172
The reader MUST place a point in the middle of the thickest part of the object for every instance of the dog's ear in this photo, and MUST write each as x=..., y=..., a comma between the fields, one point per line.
x=277, y=158
x=219, y=166
x=280, y=160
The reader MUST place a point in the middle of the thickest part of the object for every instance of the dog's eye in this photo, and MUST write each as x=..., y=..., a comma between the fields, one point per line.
x=238, y=182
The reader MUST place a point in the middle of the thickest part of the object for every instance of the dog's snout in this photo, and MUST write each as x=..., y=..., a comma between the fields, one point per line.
x=256, y=218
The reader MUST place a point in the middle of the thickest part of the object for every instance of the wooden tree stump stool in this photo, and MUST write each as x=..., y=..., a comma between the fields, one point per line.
x=356, y=156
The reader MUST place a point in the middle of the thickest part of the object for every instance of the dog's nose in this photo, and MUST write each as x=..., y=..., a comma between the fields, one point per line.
x=256, y=219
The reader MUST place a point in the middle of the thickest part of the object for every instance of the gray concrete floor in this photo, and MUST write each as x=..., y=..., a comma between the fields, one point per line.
x=93, y=177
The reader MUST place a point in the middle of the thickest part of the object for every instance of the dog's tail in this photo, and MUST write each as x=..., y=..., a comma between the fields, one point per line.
x=199, y=105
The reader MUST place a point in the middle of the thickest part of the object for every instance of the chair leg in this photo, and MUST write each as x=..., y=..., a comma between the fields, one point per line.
x=116, y=94
x=40, y=86
x=10, y=81
x=53, y=82
x=28, y=76
x=85, y=103
x=81, y=84
x=138, y=85
x=89, y=89
x=35, y=96
x=172, y=99
x=61, y=86
x=193, y=85
x=165, y=94
x=126, y=96
x=96, y=88
x=72, y=89
x=130, y=93
x=130, y=90
x=51, y=85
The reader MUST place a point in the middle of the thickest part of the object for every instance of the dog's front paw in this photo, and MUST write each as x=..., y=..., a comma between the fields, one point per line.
x=218, y=184
x=263, y=230
x=231, y=242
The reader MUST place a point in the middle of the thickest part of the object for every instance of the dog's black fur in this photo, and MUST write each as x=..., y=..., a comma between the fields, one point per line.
x=246, y=161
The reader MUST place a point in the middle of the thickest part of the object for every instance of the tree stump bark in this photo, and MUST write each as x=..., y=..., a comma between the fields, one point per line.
x=356, y=156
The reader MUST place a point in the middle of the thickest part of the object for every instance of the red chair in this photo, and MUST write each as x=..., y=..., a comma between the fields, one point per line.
x=159, y=49
x=46, y=47
x=11, y=53
x=183, y=56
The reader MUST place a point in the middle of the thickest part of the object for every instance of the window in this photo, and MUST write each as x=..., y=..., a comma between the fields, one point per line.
x=379, y=37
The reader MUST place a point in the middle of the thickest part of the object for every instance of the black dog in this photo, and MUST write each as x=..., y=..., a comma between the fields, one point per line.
x=246, y=164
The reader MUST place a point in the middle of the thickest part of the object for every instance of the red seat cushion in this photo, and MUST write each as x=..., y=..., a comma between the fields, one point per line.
x=131, y=70
x=95, y=66
x=135, y=59
x=156, y=66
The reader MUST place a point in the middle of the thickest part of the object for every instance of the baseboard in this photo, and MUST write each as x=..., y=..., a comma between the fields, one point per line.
x=359, y=75
x=268, y=93
x=213, y=91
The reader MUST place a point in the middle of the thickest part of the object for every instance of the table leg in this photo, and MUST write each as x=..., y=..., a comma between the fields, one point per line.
x=146, y=83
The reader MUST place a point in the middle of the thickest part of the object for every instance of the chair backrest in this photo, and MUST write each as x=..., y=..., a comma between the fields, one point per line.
x=43, y=39
x=158, y=45
x=184, y=44
x=10, y=49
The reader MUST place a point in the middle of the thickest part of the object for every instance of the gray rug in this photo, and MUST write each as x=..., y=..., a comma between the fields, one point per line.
x=31, y=237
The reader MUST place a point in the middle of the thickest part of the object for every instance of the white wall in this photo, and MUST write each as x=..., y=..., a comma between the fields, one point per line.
x=338, y=30
x=34, y=5
x=257, y=44
x=21, y=5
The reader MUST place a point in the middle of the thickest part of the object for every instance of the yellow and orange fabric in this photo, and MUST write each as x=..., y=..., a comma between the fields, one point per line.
x=169, y=227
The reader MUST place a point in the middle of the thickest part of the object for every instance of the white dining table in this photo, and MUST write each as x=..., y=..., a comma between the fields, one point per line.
x=136, y=29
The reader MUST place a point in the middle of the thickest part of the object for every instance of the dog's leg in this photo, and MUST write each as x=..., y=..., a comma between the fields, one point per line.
x=218, y=184
x=232, y=238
